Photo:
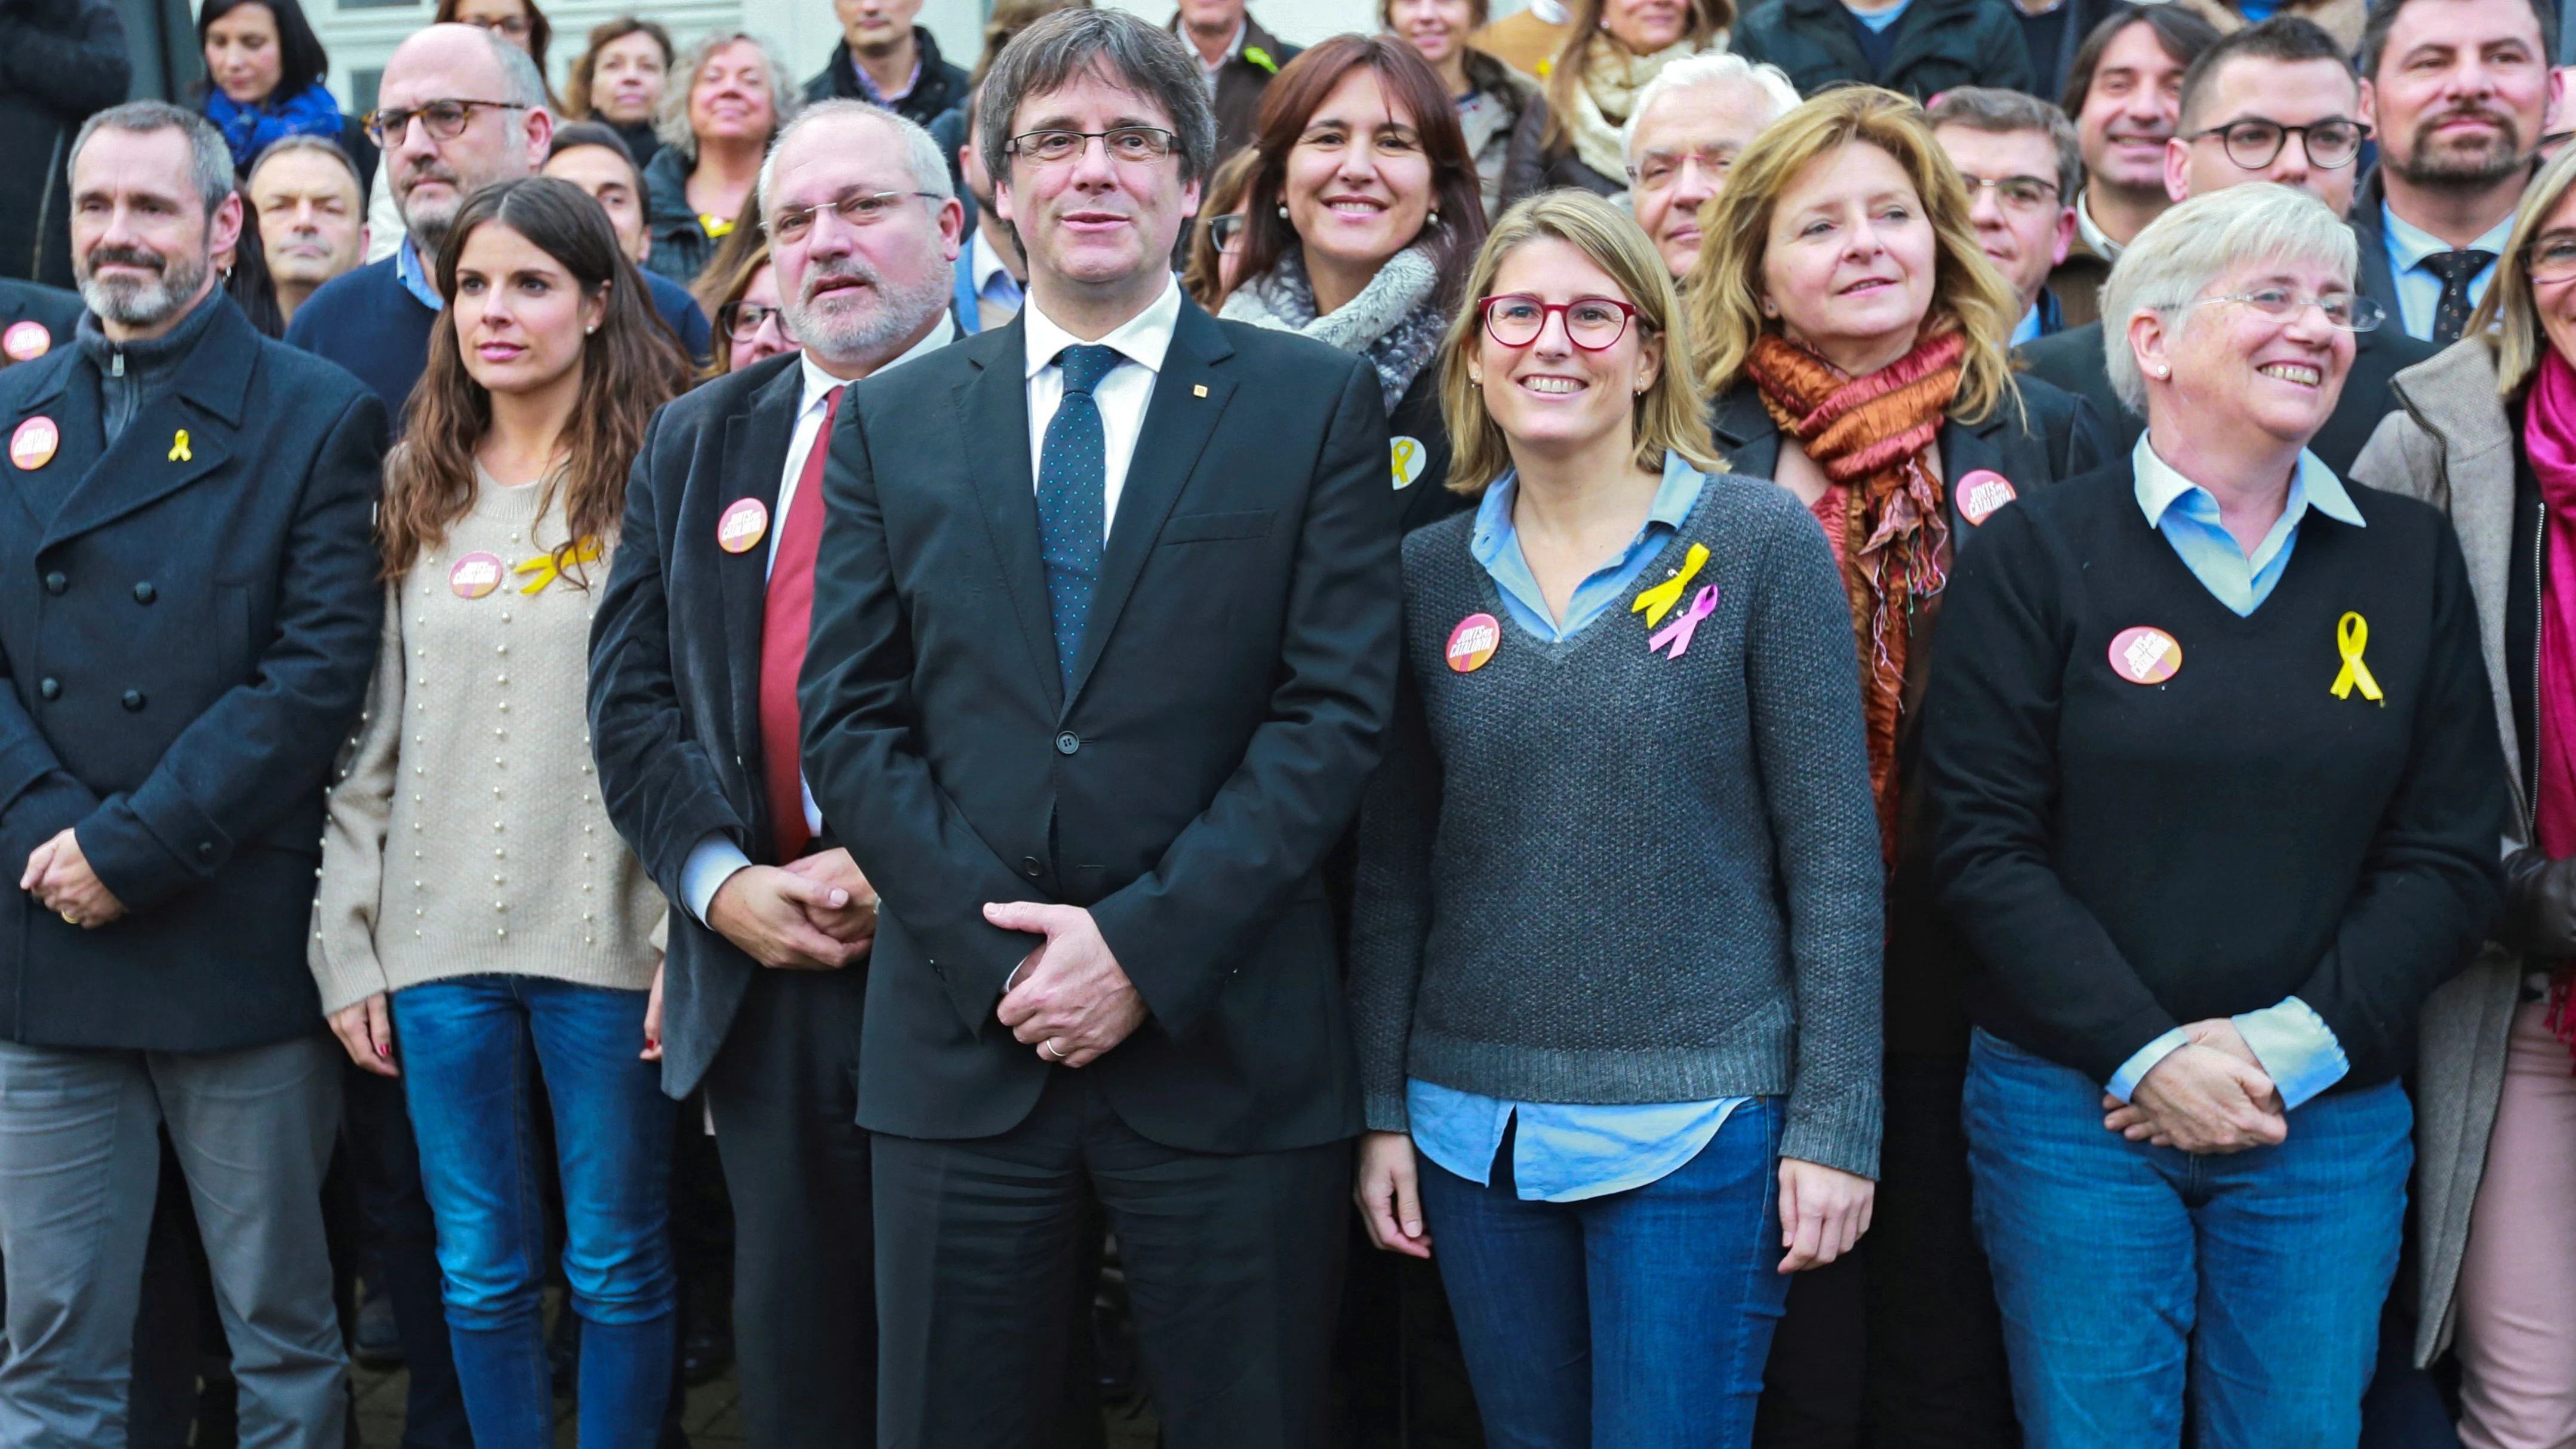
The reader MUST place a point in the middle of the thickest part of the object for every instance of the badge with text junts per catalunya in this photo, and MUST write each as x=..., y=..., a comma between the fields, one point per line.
x=475, y=575
x=26, y=341
x=1409, y=458
x=2145, y=655
x=1473, y=642
x=32, y=445
x=742, y=526
x=1983, y=491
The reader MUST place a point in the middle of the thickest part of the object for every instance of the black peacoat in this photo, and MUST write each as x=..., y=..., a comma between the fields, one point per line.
x=187, y=622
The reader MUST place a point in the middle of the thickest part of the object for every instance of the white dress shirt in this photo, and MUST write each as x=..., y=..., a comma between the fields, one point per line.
x=1208, y=69
x=714, y=859
x=1121, y=396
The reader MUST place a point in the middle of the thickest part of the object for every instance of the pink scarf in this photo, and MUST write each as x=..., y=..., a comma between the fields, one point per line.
x=2549, y=440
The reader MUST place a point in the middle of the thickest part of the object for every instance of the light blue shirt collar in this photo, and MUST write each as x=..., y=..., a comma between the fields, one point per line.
x=2314, y=486
x=1496, y=546
x=2409, y=244
x=415, y=279
x=2188, y=517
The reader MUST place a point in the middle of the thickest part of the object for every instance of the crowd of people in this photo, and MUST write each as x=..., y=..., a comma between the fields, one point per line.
x=985, y=705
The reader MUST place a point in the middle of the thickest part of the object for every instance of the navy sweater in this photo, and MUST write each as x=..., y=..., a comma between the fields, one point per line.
x=371, y=324
x=2125, y=858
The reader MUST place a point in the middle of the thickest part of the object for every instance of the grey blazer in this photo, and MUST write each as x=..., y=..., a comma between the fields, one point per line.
x=2451, y=445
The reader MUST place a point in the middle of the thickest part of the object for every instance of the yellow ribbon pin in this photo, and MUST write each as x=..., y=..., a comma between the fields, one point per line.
x=1658, y=601
x=179, y=448
x=2352, y=635
x=543, y=570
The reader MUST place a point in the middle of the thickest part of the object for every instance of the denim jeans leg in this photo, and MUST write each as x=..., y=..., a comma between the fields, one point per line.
x=462, y=1046
x=2093, y=1250
x=613, y=1142
x=1685, y=1289
x=1514, y=1273
x=2298, y=1246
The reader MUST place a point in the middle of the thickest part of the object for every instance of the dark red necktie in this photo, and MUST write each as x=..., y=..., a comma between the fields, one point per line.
x=786, y=620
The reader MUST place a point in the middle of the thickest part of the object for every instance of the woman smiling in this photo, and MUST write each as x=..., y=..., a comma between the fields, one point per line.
x=1358, y=228
x=1572, y=137
x=1614, y=973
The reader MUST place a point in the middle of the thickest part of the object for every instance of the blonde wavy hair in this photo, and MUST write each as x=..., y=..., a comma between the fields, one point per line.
x=2508, y=317
x=1669, y=416
x=1725, y=286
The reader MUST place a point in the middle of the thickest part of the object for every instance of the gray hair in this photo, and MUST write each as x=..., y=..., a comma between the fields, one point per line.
x=301, y=144
x=671, y=120
x=210, y=161
x=1121, y=49
x=921, y=154
x=2184, y=252
x=1711, y=68
x=2004, y=113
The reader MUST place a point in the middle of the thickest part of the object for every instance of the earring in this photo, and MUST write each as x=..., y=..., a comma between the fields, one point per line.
x=593, y=327
x=1283, y=211
x=2161, y=370
x=1434, y=218
x=1768, y=310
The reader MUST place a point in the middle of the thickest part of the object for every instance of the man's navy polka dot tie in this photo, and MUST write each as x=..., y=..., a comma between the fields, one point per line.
x=1073, y=474
x=2457, y=270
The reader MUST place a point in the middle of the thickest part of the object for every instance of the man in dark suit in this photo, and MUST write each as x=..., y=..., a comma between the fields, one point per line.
x=693, y=709
x=2285, y=85
x=189, y=621
x=34, y=320
x=1103, y=647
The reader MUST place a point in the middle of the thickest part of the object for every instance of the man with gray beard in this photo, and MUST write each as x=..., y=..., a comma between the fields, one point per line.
x=2455, y=91
x=694, y=658
x=197, y=620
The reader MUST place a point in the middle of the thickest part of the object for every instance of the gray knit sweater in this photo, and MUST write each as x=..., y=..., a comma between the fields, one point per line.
x=1593, y=874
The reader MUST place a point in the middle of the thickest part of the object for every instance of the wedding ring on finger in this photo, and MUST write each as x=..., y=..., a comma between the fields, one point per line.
x=1051, y=1049
x=69, y=919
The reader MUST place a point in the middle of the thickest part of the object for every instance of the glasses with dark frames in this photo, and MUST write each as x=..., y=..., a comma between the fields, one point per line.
x=1594, y=324
x=445, y=120
x=2254, y=143
x=742, y=321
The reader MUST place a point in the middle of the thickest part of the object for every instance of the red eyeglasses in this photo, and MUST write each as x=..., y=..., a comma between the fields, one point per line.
x=1594, y=324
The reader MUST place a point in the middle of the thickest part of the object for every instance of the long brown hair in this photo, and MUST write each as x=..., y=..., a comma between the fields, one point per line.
x=629, y=367
x=733, y=284
x=1227, y=186
x=1412, y=88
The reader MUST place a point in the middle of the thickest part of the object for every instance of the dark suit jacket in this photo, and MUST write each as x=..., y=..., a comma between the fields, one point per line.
x=1925, y=971
x=675, y=676
x=1232, y=694
x=52, y=308
x=2072, y=360
x=187, y=641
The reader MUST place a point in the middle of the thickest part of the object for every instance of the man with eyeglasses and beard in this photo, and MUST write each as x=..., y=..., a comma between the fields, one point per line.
x=694, y=715
x=459, y=108
x=190, y=641
x=2273, y=102
x=2458, y=91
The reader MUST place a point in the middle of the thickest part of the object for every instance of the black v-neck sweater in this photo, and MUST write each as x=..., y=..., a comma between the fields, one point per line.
x=2126, y=858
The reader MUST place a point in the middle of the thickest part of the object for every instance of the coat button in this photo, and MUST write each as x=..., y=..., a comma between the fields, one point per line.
x=205, y=850
x=50, y=687
x=1029, y=866
x=1067, y=743
x=55, y=583
x=144, y=593
x=134, y=699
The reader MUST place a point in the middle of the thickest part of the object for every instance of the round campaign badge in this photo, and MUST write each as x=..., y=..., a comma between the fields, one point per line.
x=26, y=341
x=1982, y=492
x=475, y=575
x=744, y=524
x=32, y=445
x=2145, y=655
x=1410, y=458
x=1473, y=642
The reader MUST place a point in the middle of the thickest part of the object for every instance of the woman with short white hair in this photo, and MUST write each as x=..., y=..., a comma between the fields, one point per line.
x=726, y=98
x=2216, y=806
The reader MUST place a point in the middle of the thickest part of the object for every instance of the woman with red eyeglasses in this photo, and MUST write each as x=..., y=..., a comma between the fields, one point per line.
x=1614, y=976
x=1851, y=336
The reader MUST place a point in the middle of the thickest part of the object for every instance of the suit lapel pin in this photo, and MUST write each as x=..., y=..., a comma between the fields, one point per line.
x=1198, y=389
x=179, y=448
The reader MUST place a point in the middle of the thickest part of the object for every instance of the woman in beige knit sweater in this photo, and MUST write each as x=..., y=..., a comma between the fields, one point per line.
x=475, y=903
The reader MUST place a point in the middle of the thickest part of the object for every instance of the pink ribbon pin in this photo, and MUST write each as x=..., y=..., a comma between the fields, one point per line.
x=1678, y=633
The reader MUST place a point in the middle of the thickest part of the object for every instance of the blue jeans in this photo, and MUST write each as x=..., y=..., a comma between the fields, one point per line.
x=463, y=1045
x=2131, y=1274
x=1638, y=1320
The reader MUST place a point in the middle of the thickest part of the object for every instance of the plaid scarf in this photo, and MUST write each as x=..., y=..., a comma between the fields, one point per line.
x=1870, y=435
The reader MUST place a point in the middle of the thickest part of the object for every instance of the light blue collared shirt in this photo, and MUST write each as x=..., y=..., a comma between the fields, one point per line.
x=2419, y=288
x=2296, y=1047
x=415, y=278
x=1567, y=1152
x=1884, y=18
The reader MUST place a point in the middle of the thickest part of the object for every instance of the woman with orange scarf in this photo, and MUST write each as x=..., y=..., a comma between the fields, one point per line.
x=1852, y=338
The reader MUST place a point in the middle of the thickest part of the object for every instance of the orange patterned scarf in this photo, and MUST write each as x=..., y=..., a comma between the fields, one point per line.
x=1870, y=435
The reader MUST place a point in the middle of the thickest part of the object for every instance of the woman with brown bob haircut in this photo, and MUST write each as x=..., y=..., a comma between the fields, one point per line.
x=1360, y=228
x=1850, y=333
x=476, y=905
